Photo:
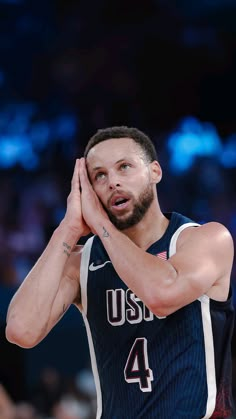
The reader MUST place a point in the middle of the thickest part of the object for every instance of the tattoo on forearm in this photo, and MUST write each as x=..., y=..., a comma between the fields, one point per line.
x=66, y=245
x=67, y=249
x=105, y=233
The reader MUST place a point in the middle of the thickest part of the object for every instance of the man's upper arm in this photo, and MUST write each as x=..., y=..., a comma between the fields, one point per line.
x=203, y=262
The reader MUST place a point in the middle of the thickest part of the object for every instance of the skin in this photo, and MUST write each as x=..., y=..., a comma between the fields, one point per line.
x=114, y=169
x=7, y=408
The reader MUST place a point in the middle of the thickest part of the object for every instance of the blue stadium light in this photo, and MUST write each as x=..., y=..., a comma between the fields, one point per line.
x=40, y=135
x=191, y=139
x=228, y=156
x=30, y=161
x=23, y=137
x=13, y=150
x=65, y=127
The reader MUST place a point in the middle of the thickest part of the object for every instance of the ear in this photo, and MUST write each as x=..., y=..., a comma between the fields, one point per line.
x=155, y=172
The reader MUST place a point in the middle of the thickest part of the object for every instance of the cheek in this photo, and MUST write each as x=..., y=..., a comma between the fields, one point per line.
x=99, y=190
x=137, y=186
x=141, y=181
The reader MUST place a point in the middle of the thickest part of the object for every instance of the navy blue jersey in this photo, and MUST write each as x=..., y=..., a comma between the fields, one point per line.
x=177, y=366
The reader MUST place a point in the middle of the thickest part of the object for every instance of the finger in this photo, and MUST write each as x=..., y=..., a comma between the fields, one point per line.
x=75, y=182
x=83, y=175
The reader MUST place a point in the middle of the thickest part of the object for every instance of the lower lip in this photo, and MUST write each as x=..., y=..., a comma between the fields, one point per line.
x=120, y=207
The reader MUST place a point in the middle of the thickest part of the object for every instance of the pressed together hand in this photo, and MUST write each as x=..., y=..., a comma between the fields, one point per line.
x=73, y=217
x=83, y=206
x=92, y=209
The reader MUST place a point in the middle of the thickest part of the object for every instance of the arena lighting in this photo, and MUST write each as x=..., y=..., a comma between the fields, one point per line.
x=228, y=157
x=17, y=150
x=24, y=136
x=192, y=138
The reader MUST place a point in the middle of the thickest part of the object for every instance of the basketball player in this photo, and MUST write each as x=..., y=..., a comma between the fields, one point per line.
x=153, y=288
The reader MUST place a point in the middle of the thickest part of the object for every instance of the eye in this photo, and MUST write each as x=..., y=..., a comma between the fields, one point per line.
x=125, y=166
x=100, y=176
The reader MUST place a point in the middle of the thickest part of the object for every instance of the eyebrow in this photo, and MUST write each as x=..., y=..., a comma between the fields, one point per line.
x=100, y=167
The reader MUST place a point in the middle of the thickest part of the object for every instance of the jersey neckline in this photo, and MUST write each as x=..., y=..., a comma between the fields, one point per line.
x=172, y=217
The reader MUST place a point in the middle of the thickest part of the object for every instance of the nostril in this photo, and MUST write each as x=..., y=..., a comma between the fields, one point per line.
x=114, y=185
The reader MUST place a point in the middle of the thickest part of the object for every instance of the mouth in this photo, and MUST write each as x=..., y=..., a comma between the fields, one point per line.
x=119, y=202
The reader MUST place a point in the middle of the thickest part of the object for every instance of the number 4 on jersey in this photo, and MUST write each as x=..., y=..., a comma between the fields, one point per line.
x=137, y=367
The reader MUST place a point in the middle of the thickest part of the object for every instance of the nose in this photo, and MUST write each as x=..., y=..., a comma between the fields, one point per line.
x=113, y=185
x=113, y=182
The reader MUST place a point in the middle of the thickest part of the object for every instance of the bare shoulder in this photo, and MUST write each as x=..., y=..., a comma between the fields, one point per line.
x=214, y=234
x=217, y=229
x=211, y=244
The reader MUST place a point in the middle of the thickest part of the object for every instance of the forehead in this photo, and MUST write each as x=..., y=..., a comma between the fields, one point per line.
x=114, y=149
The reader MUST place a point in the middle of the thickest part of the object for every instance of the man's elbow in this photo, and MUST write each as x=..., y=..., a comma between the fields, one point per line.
x=159, y=310
x=161, y=304
x=18, y=335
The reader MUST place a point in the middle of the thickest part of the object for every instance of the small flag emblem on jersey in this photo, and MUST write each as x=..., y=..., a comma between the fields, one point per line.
x=162, y=255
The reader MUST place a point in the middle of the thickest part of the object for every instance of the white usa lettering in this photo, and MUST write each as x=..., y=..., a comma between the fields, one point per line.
x=124, y=306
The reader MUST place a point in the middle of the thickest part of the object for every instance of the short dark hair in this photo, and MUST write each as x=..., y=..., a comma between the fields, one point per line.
x=124, y=132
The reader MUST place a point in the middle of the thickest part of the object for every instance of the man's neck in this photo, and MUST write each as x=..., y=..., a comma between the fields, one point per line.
x=150, y=229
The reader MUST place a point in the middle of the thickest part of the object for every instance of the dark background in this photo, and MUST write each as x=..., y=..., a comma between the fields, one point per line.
x=68, y=68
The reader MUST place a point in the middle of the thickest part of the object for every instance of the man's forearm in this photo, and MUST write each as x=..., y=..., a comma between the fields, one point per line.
x=143, y=273
x=30, y=308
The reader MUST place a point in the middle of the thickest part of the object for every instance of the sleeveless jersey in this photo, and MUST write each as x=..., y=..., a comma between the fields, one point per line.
x=147, y=367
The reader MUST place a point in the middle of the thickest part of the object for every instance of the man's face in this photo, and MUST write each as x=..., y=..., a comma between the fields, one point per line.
x=121, y=179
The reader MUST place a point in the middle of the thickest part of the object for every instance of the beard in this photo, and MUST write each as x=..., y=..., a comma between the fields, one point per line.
x=141, y=205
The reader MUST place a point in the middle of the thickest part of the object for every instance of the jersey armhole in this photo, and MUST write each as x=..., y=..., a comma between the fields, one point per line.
x=173, y=242
x=85, y=257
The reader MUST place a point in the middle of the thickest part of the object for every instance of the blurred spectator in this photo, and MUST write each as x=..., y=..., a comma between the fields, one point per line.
x=70, y=408
x=7, y=409
x=48, y=391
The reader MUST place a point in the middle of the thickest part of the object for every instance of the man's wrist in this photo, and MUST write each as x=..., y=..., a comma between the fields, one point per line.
x=68, y=231
x=104, y=228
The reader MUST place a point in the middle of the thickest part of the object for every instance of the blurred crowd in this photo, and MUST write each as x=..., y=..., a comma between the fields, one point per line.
x=53, y=398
